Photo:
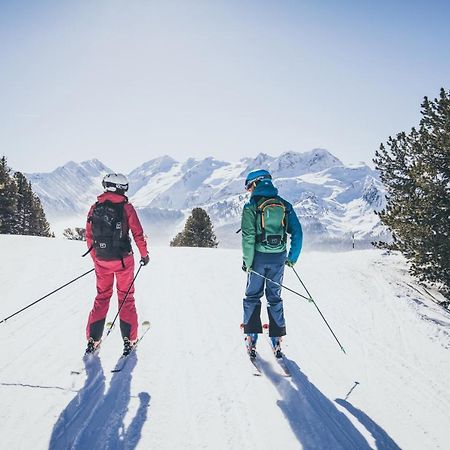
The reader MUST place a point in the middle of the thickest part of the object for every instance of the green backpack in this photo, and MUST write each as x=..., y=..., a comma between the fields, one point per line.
x=271, y=222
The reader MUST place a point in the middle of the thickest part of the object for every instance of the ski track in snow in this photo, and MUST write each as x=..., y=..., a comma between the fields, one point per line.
x=190, y=384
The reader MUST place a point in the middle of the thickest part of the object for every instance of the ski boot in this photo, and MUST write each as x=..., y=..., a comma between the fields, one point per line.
x=127, y=346
x=92, y=346
x=276, y=346
x=250, y=340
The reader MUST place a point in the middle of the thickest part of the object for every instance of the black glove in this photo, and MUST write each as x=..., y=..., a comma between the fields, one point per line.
x=245, y=268
x=144, y=260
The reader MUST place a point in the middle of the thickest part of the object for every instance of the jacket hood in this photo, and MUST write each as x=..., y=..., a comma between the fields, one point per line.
x=265, y=188
x=112, y=197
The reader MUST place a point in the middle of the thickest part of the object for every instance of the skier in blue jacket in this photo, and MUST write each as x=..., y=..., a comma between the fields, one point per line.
x=267, y=219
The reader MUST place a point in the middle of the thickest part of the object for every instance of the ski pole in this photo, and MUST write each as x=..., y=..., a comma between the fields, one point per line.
x=123, y=301
x=315, y=304
x=45, y=296
x=280, y=285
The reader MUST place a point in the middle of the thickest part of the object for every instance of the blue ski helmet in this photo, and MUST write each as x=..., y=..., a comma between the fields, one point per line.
x=256, y=175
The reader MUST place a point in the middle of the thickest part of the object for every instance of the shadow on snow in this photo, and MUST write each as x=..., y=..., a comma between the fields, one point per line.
x=382, y=439
x=95, y=418
x=315, y=420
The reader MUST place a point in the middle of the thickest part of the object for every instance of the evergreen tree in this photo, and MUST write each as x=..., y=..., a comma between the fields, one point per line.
x=40, y=225
x=30, y=216
x=8, y=199
x=24, y=212
x=198, y=231
x=415, y=168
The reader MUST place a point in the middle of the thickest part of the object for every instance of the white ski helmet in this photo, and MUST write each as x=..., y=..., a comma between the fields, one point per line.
x=115, y=182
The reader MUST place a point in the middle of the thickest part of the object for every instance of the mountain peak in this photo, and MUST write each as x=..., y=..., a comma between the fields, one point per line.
x=261, y=161
x=322, y=189
x=94, y=165
x=291, y=164
x=153, y=166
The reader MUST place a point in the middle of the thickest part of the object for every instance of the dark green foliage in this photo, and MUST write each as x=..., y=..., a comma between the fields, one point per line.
x=21, y=211
x=25, y=210
x=30, y=216
x=198, y=231
x=77, y=234
x=8, y=199
x=415, y=168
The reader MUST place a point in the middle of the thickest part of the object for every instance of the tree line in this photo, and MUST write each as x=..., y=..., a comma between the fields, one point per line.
x=21, y=210
x=198, y=231
x=415, y=169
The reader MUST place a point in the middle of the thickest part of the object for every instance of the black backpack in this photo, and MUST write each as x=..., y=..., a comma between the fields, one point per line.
x=110, y=231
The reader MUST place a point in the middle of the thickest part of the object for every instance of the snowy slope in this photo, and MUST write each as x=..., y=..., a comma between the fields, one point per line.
x=191, y=385
x=334, y=201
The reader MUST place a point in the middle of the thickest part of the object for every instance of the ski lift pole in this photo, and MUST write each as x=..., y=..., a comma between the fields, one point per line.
x=124, y=300
x=320, y=312
x=45, y=296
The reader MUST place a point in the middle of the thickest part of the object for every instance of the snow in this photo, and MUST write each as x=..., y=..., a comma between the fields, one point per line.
x=190, y=384
x=319, y=186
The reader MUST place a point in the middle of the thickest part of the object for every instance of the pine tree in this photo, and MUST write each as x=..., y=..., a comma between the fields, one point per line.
x=39, y=223
x=24, y=212
x=8, y=199
x=415, y=168
x=30, y=216
x=198, y=231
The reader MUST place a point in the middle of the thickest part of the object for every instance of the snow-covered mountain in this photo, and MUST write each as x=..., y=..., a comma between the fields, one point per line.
x=335, y=202
x=67, y=191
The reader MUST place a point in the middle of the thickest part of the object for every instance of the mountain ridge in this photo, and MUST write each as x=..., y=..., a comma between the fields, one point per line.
x=335, y=202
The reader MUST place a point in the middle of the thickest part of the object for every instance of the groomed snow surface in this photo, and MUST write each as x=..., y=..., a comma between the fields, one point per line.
x=190, y=385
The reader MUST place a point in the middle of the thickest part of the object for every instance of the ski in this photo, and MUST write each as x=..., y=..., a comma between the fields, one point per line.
x=252, y=355
x=124, y=358
x=279, y=355
x=257, y=371
x=283, y=365
x=254, y=359
x=86, y=357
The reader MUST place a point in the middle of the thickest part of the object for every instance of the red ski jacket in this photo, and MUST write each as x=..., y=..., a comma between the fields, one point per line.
x=132, y=219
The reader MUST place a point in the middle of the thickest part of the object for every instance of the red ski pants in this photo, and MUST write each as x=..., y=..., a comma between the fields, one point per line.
x=105, y=272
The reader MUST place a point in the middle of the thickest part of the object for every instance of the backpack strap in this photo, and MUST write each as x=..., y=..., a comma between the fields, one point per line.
x=89, y=251
x=89, y=219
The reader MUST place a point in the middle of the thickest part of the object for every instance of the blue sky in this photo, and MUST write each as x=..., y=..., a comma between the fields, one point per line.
x=127, y=81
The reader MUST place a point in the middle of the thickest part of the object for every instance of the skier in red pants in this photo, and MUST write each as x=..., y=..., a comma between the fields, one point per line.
x=107, y=235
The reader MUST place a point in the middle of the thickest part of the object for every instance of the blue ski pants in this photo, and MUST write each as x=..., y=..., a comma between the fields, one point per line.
x=271, y=265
